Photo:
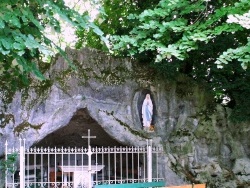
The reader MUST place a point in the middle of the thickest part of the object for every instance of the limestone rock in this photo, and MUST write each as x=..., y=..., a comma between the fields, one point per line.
x=106, y=94
x=242, y=170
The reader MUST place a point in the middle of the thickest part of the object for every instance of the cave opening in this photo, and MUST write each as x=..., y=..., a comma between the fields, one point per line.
x=71, y=134
x=62, y=157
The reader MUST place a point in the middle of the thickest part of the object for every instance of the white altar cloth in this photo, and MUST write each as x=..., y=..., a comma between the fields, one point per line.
x=81, y=174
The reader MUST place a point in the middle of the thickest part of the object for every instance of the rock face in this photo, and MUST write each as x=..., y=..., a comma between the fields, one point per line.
x=200, y=146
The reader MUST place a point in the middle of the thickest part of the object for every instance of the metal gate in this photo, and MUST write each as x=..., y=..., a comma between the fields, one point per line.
x=82, y=167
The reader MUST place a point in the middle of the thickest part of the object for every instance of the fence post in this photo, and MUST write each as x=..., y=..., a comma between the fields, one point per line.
x=6, y=158
x=89, y=167
x=22, y=163
x=149, y=158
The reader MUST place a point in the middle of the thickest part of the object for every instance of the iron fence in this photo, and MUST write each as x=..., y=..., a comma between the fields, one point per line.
x=82, y=167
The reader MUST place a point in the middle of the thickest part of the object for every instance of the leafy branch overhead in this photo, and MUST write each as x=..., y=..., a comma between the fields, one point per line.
x=23, y=42
x=174, y=28
x=205, y=40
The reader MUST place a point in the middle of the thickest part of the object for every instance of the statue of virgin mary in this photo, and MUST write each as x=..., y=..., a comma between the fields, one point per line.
x=147, y=111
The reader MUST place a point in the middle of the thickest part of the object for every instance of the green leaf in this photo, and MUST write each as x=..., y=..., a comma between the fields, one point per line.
x=18, y=46
x=2, y=24
x=20, y=53
x=31, y=43
x=46, y=51
x=15, y=21
x=97, y=30
x=36, y=72
x=4, y=52
x=131, y=16
x=7, y=44
x=24, y=19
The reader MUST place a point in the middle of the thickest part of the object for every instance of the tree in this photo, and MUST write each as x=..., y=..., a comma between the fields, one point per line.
x=174, y=28
x=113, y=20
x=203, y=39
x=196, y=38
x=24, y=44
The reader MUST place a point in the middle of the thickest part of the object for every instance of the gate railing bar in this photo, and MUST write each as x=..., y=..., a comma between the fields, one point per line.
x=149, y=158
x=6, y=158
x=121, y=174
x=22, y=163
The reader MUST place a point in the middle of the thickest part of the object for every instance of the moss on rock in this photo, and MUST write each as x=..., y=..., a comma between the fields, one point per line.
x=24, y=126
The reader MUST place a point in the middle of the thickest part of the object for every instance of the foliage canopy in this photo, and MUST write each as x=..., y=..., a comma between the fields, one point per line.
x=23, y=43
x=203, y=39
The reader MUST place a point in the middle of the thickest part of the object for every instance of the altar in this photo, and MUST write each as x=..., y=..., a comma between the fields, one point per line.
x=82, y=175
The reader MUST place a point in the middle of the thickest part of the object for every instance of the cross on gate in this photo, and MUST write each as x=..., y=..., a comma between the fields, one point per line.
x=89, y=157
x=88, y=137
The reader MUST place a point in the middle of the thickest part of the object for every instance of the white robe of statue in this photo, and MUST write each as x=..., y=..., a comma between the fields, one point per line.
x=147, y=111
